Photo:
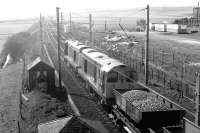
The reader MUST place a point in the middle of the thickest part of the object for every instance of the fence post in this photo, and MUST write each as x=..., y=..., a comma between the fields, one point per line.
x=136, y=65
x=197, y=99
x=142, y=54
x=173, y=58
x=162, y=60
x=170, y=84
x=153, y=55
x=164, y=78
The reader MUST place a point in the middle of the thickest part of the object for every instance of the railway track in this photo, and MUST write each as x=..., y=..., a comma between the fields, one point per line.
x=87, y=106
x=189, y=113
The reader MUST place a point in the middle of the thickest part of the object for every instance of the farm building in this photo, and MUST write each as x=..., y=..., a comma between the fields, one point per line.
x=167, y=27
x=196, y=12
x=159, y=27
x=40, y=75
x=72, y=124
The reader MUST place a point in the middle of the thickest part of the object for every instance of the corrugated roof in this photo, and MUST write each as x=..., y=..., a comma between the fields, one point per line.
x=53, y=126
x=106, y=62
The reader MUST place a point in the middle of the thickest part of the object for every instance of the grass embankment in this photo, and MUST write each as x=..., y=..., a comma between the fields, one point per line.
x=41, y=106
x=10, y=84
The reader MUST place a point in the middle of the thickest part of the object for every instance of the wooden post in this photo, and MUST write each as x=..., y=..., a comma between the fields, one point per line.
x=162, y=62
x=41, y=34
x=198, y=12
x=58, y=41
x=147, y=49
x=61, y=21
x=197, y=115
x=173, y=58
x=105, y=25
x=90, y=27
x=70, y=23
x=143, y=54
x=153, y=55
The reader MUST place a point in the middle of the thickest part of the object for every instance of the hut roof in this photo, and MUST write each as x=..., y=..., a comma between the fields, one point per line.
x=37, y=61
x=68, y=123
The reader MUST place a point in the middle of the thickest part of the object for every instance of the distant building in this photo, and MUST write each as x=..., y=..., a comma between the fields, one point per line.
x=196, y=12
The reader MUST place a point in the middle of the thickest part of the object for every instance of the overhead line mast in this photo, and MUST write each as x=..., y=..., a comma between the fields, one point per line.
x=90, y=27
x=41, y=33
x=147, y=49
x=58, y=40
x=70, y=23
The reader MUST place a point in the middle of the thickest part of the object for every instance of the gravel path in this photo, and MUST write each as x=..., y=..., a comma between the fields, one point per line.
x=10, y=83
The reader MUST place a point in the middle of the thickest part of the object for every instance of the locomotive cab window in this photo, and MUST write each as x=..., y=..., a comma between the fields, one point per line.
x=66, y=48
x=85, y=66
x=95, y=74
x=112, y=76
x=132, y=76
x=74, y=56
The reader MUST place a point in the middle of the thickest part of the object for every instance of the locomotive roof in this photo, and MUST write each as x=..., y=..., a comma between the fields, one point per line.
x=104, y=60
x=76, y=44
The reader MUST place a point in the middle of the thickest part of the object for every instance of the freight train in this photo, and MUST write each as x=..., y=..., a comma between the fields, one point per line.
x=132, y=106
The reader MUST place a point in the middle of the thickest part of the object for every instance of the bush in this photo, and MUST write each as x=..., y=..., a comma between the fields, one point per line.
x=16, y=45
x=141, y=24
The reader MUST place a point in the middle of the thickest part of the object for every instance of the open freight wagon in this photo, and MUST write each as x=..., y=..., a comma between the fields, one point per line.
x=148, y=118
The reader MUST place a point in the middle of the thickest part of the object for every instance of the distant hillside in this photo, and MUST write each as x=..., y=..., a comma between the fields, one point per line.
x=135, y=12
x=156, y=13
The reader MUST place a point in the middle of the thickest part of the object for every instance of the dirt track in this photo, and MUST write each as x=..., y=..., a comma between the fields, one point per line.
x=10, y=83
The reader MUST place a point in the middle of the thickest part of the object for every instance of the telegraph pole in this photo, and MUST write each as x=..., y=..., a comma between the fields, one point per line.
x=90, y=27
x=197, y=100
x=105, y=25
x=70, y=22
x=147, y=49
x=41, y=35
x=61, y=18
x=61, y=22
x=58, y=40
x=198, y=13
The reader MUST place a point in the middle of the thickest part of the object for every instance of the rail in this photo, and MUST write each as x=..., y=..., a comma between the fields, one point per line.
x=74, y=108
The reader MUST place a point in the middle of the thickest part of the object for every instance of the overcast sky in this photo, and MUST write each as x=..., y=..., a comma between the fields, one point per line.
x=10, y=9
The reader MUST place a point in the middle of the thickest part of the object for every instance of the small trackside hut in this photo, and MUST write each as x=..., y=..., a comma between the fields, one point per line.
x=40, y=75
